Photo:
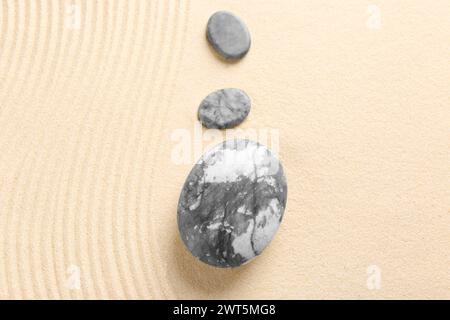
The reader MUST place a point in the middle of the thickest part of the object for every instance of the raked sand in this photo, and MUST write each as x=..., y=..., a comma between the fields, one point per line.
x=96, y=97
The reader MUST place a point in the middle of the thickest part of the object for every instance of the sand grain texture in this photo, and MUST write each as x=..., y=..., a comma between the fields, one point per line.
x=92, y=91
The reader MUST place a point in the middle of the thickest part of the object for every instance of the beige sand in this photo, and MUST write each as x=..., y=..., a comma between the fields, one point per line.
x=88, y=106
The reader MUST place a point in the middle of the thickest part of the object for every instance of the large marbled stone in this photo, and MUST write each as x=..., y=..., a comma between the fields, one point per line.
x=224, y=108
x=228, y=35
x=232, y=203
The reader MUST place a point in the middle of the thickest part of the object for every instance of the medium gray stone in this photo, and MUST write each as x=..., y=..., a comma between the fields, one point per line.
x=228, y=35
x=224, y=108
x=232, y=203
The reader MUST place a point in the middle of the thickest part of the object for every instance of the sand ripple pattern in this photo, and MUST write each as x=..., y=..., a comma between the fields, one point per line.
x=84, y=91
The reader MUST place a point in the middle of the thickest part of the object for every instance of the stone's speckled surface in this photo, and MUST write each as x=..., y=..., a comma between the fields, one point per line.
x=232, y=203
x=224, y=108
x=228, y=35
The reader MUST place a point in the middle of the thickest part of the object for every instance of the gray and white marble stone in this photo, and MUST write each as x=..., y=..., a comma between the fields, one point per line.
x=224, y=109
x=232, y=203
x=228, y=35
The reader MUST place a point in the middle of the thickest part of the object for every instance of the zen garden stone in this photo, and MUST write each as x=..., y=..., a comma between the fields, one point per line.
x=228, y=35
x=224, y=109
x=232, y=203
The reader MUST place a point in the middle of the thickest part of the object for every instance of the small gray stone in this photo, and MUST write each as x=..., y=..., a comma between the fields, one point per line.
x=232, y=203
x=228, y=35
x=224, y=109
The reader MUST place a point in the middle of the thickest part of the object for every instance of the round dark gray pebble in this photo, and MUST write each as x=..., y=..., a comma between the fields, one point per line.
x=224, y=109
x=228, y=35
x=232, y=203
